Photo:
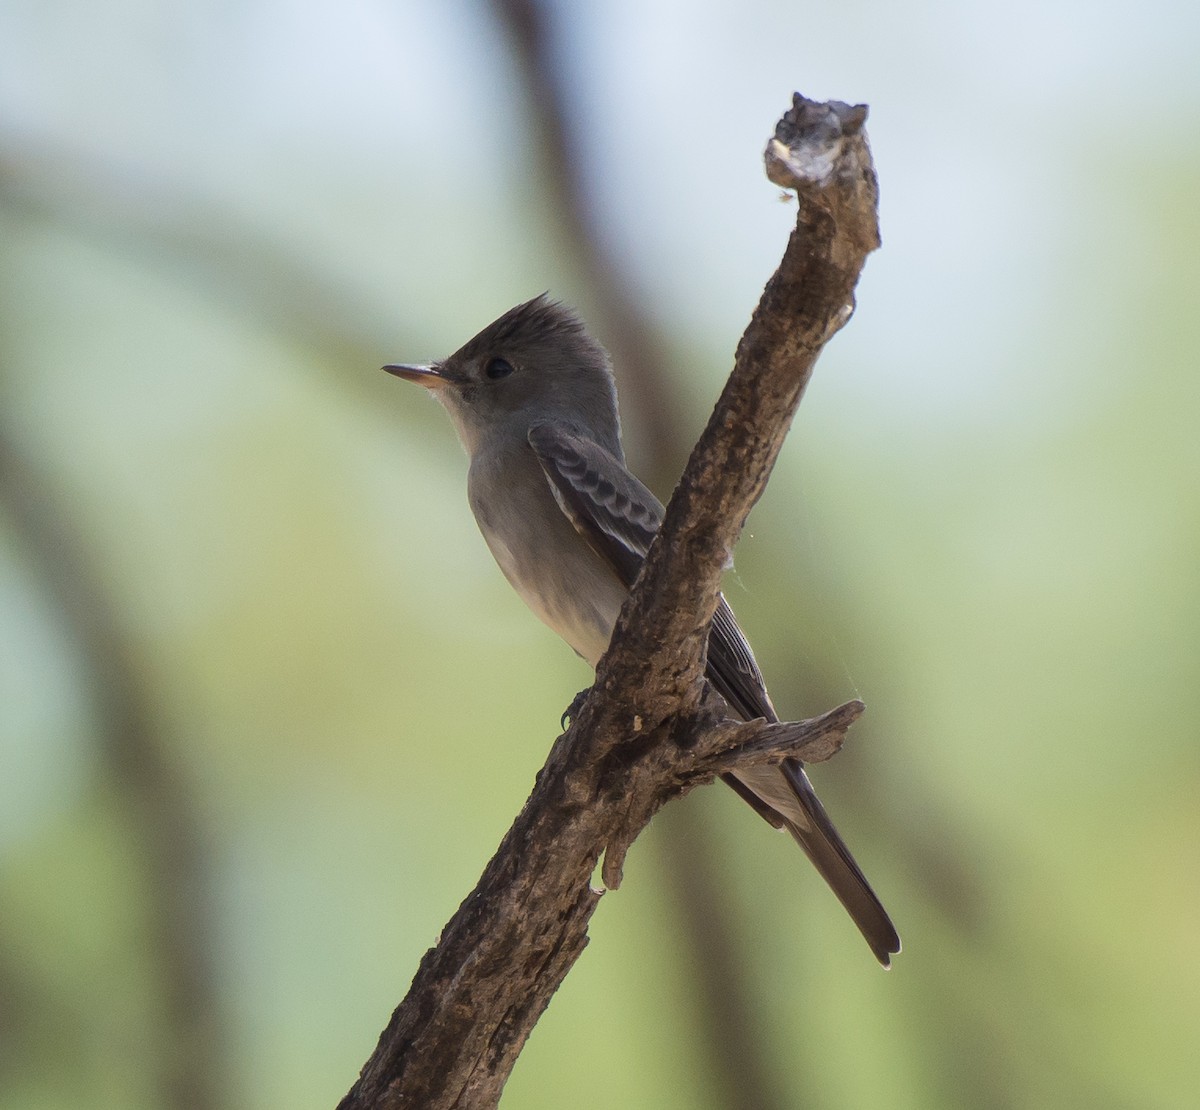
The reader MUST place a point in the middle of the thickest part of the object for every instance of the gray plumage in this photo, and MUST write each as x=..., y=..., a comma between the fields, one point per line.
x=533, y=400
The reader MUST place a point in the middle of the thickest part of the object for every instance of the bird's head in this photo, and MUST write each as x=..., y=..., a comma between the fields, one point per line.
x=536, y=363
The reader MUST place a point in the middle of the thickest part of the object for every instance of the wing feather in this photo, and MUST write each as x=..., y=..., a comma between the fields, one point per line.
x=619, y=517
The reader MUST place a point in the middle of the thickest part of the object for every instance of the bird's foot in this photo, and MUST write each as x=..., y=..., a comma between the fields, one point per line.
x=572, y=710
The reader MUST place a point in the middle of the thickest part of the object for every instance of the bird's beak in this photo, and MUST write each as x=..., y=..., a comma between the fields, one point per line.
x=428, y=376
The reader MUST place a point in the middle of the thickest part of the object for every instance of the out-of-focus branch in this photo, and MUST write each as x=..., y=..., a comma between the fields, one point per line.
x=200, y=243
x=157, y=805
x=644, y=734
x=629, y=333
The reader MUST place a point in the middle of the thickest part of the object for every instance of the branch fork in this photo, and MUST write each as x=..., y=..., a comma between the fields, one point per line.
x=703, y=748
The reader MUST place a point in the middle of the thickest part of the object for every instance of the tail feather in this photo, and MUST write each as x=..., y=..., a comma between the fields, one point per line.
x=815, y=833
x=786, y=791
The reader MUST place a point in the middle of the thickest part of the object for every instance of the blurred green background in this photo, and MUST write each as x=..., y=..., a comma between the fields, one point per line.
x=268, y=706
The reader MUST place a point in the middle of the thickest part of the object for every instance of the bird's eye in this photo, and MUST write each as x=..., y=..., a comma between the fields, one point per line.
x=498, y=368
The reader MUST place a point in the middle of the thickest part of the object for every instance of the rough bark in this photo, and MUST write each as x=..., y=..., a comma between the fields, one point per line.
x=644, y=735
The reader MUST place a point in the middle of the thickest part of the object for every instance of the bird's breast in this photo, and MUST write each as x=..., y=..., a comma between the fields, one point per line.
x=556, y=572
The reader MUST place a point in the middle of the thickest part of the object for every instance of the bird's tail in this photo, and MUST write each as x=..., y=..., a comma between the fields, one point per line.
x=808, y=822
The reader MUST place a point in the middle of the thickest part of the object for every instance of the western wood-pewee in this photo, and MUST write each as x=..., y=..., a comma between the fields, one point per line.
x=533, y=400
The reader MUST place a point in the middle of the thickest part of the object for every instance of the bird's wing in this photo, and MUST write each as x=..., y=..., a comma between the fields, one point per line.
x=619, y=517
x=609, y=507
x=733, y=669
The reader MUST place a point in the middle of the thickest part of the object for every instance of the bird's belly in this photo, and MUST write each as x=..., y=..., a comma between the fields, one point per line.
x=567, y=586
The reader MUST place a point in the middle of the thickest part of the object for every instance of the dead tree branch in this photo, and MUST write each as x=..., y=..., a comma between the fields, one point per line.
x=645, y=734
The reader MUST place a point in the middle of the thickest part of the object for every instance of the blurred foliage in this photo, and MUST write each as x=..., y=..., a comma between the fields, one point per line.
x=219, y=522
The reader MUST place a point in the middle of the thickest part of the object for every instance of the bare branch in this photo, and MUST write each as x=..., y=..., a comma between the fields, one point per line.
x=754, y=742
x=645, y=734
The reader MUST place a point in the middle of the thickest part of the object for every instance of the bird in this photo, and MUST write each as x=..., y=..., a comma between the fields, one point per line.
x=534, y=402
